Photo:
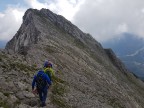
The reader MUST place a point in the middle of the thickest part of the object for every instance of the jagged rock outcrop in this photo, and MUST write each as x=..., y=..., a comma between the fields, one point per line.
x=26, y=35
x=86, y=75
x=116, y=61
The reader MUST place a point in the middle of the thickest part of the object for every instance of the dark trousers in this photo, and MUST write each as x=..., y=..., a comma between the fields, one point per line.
x=43, y=94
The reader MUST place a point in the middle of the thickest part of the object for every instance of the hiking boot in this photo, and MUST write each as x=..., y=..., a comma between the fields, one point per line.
x=42, y=104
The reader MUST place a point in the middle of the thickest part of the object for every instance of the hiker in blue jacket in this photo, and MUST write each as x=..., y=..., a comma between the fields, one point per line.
x=42, y=82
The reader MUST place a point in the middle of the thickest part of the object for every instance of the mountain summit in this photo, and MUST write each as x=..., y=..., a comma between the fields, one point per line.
x=37, y=26
x=87, y=75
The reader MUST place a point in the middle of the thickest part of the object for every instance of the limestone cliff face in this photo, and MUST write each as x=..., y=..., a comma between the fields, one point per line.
x=26, y=35
x=86, y=75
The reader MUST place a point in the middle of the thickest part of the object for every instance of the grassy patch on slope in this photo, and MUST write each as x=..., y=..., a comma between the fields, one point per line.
x=58, y=91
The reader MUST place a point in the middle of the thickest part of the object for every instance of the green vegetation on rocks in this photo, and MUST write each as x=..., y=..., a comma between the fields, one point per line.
x=59, y=88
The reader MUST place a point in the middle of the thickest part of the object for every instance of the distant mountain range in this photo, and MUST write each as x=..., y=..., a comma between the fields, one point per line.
x=130, y=49
x=2, y=44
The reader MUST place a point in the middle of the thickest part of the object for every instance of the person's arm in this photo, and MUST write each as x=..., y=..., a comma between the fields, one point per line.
x=48, y=79
x=52, y=72
x=33, y=83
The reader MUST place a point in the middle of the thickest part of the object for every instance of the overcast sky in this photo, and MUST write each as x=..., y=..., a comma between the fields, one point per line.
x=103, y=19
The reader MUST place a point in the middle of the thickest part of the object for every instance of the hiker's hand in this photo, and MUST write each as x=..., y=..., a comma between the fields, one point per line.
x=33, y=91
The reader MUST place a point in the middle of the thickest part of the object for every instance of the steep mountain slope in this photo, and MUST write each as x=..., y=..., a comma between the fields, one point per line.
x=130, y=50
x=86, y=75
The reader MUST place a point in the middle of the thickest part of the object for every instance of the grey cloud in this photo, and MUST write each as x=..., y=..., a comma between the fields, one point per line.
x=10, y=23
x=106, y=18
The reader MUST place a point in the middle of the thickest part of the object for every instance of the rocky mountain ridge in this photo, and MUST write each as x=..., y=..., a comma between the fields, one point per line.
x=29, y=21
x=86, y=75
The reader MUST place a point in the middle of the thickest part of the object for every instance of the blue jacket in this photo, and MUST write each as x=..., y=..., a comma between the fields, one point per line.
x=44, y=77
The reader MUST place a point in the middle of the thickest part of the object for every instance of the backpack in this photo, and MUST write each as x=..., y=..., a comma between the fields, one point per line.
x=40, y=81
